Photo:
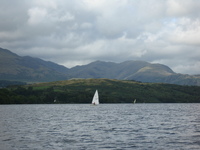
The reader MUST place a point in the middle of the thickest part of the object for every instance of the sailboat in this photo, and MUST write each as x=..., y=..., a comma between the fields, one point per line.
x=134, y=101
x=95, y=100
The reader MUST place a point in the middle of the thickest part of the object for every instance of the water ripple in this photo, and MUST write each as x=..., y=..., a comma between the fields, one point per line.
x=111, y=126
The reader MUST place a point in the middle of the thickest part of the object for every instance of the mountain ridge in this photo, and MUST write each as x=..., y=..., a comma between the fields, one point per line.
x=26, y=68
x=29, y=69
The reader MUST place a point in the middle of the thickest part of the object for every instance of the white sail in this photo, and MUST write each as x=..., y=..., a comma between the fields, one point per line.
x=95, y=100
x=134, y=101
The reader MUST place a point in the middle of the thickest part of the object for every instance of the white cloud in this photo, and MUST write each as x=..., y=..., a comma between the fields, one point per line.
x=37, y=15
x=186, y=68
x=187, y=32
x=183, y=8
x=52, y=4
x=66, y=17
x=77, y=32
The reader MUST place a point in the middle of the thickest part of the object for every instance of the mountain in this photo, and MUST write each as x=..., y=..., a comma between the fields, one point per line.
x=134, y=70
x=14, y=67
x=29, y=69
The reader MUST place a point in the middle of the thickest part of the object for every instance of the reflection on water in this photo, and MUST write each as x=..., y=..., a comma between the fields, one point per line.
x=107, y=126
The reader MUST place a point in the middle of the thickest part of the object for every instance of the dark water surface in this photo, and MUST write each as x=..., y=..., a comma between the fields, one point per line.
x=107, y=126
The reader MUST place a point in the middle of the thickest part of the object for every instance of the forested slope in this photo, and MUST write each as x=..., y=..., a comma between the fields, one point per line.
x=110, y=91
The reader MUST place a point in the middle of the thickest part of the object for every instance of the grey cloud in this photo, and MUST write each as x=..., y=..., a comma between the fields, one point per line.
x=78, y=32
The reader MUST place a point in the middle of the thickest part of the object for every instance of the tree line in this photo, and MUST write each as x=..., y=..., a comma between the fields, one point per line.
x=110, y=91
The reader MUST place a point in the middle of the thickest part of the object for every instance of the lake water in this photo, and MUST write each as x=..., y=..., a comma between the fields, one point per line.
x=107, y=126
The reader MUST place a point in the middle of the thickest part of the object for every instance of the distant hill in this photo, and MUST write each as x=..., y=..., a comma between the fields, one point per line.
x=5, y=83
x=29, y=69
x=134, y=70
x=110, y=91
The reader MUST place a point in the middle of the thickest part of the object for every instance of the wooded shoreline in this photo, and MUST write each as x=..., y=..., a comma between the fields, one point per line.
x=110, y=91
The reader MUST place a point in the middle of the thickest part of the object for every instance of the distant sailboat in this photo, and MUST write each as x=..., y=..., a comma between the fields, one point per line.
x=95, y=100
x=134, y=101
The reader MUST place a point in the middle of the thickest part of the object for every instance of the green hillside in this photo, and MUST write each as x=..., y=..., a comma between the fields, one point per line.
x=29, y=69
x=110, y=91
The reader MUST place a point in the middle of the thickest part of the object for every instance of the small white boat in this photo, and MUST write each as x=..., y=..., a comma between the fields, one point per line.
x=95, y=100
x=134, y=101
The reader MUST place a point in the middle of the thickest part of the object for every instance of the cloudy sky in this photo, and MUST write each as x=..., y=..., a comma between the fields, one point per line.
x=77, y=32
